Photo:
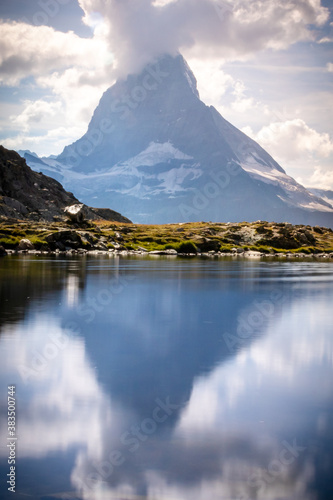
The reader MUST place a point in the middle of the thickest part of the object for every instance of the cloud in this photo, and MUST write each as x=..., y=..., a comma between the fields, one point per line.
x=44, y=143
x=329, y=67
x=326, y=39
x=213, y=82
x=80, y=90
x=27, y=50
x=35, y=111
x=292, y=139
x=73, y=71
x=321, y=179
x=241, y=103
x=140, y=30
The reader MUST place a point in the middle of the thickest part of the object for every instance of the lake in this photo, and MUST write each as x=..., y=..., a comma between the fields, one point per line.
x=166, y=378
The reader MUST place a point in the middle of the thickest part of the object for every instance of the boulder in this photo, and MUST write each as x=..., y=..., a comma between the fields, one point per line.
x=64, y=240
x=208, y=244
x=76, y=213
x=25, y=244
x=169, y=251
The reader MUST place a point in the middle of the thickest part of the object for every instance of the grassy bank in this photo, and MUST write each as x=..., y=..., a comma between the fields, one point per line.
x=199, y=237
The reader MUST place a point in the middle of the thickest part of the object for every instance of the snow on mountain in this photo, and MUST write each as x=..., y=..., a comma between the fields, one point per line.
x=295, y=193
x=155, y=152
x=23, y=152
x=324, y=194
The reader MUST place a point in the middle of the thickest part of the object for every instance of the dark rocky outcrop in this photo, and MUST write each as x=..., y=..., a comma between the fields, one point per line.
x=25, y=194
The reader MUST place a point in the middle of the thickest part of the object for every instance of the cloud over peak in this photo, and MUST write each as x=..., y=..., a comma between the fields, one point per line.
x=140, y=30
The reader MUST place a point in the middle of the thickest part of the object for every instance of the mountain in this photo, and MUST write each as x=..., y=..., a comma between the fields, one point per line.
x=324, y=194
x=157, y=153
x=25, y=194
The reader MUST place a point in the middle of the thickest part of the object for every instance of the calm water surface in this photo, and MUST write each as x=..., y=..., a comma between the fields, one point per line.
x=178, y=379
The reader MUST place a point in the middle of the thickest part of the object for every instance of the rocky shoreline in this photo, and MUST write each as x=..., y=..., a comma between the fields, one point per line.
x=252, y=240
x=170, y=253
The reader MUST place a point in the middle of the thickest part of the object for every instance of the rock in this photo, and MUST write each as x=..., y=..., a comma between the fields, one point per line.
x=76, y=213
x=310, y=237
x=157, y=252
x=169, y=251
x=25, y=244
x=64, y=239
x=3, y=252
x=208, y=244
x=302, y=238
x=253, y=253
x=237, y=250
x=142, y=249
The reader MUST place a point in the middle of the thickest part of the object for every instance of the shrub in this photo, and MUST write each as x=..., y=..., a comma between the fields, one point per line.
x=128, y=246
x=187, y=247
x=10, y=242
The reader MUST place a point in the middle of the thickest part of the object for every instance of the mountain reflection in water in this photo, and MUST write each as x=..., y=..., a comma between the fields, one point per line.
x=168, y=378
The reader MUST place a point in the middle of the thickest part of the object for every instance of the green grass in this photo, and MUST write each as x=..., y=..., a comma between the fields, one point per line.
x=10, y=242
x=226, y=248
x=184, y=238
x=38, y=243
x=307, y=250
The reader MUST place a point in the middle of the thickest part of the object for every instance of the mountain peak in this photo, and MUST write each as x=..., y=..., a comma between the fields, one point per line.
x=157, y=153
x=166, y=67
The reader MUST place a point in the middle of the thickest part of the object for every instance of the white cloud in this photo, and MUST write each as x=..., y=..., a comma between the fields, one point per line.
x=35, y=111
x=241, y=103
x=213, y=82
x=321, y=179
x=52, y=141
x=147, y=29
x=326, y=39
x=74, y=70
x=27, y=50
x=292, y=139
x=329, y=67
x=80, y=89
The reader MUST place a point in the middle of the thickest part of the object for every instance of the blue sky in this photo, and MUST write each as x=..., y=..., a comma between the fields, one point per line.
x=266, y=65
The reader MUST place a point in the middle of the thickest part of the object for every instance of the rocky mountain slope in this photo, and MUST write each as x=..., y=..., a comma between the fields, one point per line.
x=157, y=153
x=25, y=194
